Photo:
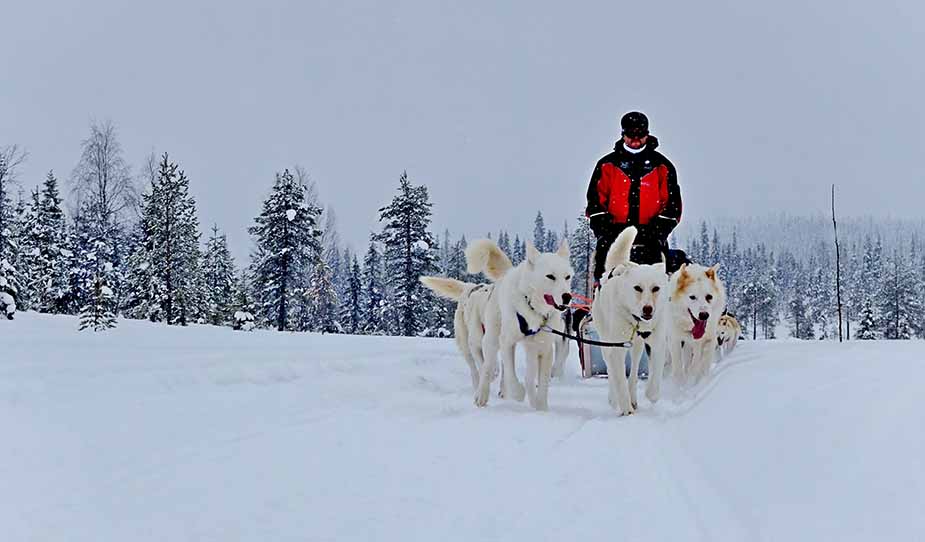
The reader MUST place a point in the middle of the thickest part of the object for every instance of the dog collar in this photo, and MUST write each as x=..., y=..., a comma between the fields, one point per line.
x=525, y=327
x=522, y=322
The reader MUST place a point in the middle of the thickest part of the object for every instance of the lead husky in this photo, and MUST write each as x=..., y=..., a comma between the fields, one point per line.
x=628, y=308
x=526, y=298
x=698, y=299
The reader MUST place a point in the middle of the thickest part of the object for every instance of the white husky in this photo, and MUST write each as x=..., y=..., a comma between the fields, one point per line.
x=727, y=334
x=525, y=299
x=469, y=319
x=698, y=299
x=629, y=308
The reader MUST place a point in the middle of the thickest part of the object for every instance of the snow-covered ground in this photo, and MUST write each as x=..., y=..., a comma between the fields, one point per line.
x=154, y=433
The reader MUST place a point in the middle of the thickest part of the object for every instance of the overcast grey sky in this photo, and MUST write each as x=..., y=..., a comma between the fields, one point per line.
x=500, y=108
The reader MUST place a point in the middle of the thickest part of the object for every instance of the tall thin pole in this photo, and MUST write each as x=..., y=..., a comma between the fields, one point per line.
x=837, y=266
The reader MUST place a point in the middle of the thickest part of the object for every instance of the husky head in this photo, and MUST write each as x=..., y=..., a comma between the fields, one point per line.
x=638, y=289
x=728, y=329
x=547, y=277
x=699, y=295
x=635, y=289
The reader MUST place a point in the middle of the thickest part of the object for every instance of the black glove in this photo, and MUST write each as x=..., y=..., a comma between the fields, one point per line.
x=601, y=224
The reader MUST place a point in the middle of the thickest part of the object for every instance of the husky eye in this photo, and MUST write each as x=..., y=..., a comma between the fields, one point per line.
x=638, y=288
x=694, y=297
x=709, y=298
x=568, y=277
x=655, y=289
x=551, y=277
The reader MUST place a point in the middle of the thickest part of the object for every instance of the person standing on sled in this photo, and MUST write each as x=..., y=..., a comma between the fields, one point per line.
x=635, y=185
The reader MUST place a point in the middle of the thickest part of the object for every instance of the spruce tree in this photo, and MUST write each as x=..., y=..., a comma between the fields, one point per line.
x=287, y=244
x=867, y=326
x=321, y=294
x=519, y=250
x=169, y=251
x=50, y=252
x=373, y=292
x=899, y=302
x=243, y=317
x=408, y=254
x=352, y=298
x=27, y=263
x=218, y=273
x=581, y=248
x=95, y=273
x=539, y=232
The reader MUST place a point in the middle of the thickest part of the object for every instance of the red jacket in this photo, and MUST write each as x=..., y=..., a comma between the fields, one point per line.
x=638, y=189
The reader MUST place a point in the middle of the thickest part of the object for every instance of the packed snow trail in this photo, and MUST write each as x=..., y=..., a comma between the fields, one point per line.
x=154, y=433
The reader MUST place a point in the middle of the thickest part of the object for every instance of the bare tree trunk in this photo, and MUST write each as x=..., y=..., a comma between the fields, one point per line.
x=837, y=266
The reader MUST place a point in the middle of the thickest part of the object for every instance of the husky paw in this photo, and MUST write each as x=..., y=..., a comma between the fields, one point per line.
x=624, y=410
x=519, y=392
x=652, y=395
x=481, y=397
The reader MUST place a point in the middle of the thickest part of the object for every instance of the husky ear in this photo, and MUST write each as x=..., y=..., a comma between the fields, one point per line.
x=532, y=253
x=711, y=272
x=563, y=249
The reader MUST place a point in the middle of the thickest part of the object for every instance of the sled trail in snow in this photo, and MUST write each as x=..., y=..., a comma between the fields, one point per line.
x=155, y=433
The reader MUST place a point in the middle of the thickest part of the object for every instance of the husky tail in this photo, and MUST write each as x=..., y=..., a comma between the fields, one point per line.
x=448, y=288
x=619, y=253
x=484, y=256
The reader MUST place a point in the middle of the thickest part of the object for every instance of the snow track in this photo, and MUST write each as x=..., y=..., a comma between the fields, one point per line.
x=150, y=433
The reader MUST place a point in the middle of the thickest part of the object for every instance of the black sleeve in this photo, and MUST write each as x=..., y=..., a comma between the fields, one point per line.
x=601, y=220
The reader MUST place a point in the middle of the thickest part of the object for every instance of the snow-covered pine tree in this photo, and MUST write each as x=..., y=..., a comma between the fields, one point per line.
x=94, y=272
x=552, y=241
x=331, y=250
x=11, y=157
x=504, y=242
x=24, y=228
x=715, y=250
x=539, y=232
x=243, y=318
x=373, y=292
x=170, y=245
x=899, y=301
x=97, y=313
x=581, y=247
x=867, y=325
x=519, y=250
x=446, y=252
x=704, y=243
x=321, y=300
x=287, y=242
x=50, y=253
x=352, y=296
x=408, y=254
x=219, y=276
x=801, y=326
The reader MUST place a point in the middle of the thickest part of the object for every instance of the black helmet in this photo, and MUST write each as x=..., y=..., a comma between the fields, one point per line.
x=635, y=124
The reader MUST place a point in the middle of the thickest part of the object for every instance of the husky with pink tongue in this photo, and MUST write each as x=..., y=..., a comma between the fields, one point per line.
x=697, y=301
x=527, y=300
